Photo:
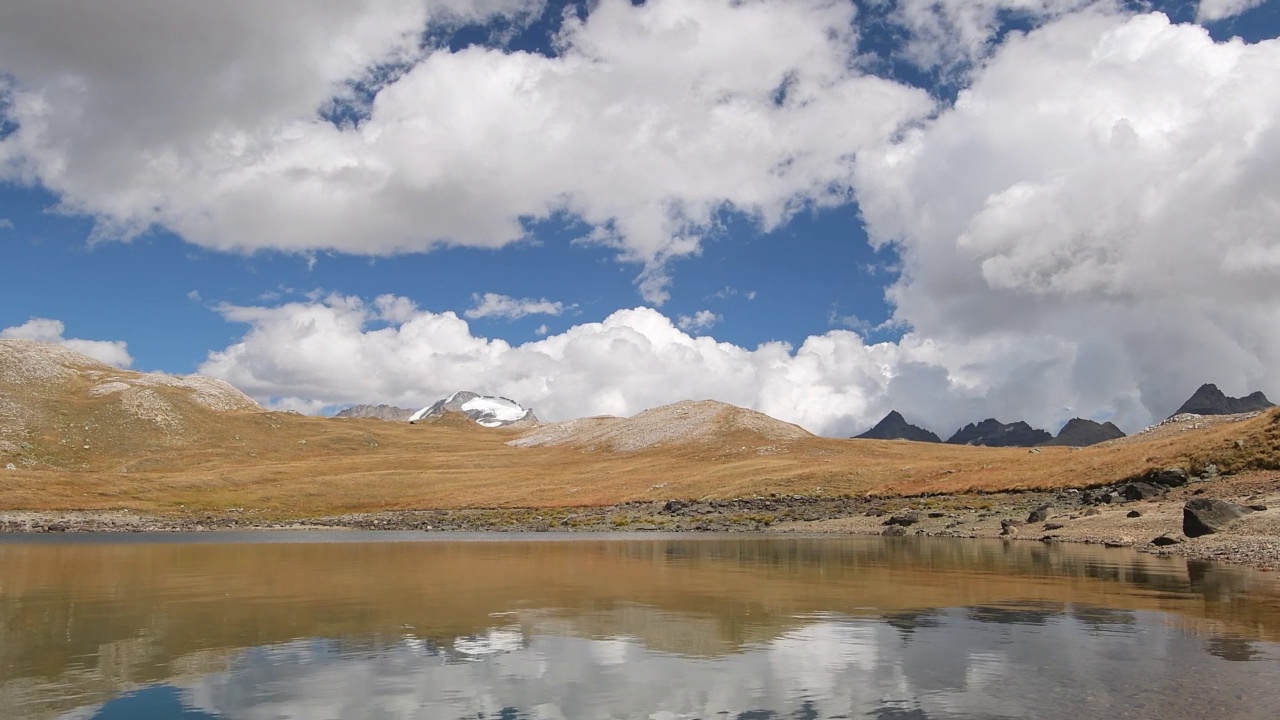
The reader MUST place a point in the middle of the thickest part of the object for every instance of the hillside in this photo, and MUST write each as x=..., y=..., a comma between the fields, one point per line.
x=78, y=445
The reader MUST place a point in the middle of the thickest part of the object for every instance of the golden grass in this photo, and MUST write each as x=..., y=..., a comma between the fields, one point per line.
x=285, y=465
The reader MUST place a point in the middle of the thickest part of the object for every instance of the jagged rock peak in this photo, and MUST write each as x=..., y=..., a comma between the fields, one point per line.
x=377, y=412
x=896, y=427
x=486, y=410
x=993, y=433
x=1209, y=400
x=1079, y=432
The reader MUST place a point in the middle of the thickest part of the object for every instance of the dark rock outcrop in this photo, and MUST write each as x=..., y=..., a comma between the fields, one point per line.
x=993, y=433
x=1209, y=400
x=896, y=427
x=1079, y=432
x=377, y=412
x=1205, y=516
x=1140, y=491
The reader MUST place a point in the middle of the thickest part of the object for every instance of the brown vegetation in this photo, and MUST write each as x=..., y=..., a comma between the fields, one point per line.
x=86, y=451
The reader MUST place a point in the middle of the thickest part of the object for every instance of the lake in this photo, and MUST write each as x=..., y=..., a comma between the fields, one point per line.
x=349, y=625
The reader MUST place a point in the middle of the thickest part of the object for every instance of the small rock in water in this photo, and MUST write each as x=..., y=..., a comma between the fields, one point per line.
x=1133, y=514
x=894, y=531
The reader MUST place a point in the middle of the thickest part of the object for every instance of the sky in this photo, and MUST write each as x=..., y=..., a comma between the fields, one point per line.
x=822, y=210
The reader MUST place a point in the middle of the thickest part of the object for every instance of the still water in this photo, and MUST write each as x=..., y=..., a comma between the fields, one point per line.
x=360, y=625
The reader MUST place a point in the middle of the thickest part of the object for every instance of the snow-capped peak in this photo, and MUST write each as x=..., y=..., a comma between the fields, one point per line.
x=486, y=410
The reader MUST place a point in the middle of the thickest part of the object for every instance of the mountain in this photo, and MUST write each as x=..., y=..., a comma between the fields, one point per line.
x=377, y=412
x=1209, y=400
x=485, y=410
x=895, y=427
x=689, y=422
x=59, y=408
x=1079, y=432
x=993, y=433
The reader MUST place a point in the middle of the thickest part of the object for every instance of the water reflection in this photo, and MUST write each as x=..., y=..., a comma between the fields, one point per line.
x=677, y=628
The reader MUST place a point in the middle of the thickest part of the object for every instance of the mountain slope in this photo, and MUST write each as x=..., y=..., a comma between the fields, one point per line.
x=57, y=405
x=389, y=413
x=687, y=422
x=896, y=427
x=1209, y=400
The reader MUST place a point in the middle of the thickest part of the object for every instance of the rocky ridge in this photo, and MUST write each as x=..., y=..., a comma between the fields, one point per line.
x=486, y=410
x=1079, y=432
x=1209, y=400
x=896, y=427
x=389, y=413
x=993, y=433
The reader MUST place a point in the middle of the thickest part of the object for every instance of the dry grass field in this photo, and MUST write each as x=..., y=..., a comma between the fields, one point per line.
x=75, y=447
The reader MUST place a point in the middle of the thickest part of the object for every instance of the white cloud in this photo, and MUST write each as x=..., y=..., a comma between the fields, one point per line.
x=337, y=351
x=194, y=295
x=503, y=306
x=701, y=320
x=945, y=33
x=649, y=122
x=542, y=329
x=6, y=224
x=111, y=352
x=1210, y=10
x=1093, y=223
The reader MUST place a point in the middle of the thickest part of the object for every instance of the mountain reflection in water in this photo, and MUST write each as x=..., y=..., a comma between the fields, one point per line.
x=666, y=628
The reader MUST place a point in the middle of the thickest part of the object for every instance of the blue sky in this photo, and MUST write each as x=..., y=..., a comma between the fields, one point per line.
x=829, y=177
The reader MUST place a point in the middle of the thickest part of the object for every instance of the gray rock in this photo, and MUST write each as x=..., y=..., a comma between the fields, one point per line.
x=1258, y=507
x=904, y=520
x=1053, y=526
x=1166, y=540
x=1205, y=516
x=894, y=531
x=1133, y=514
x=1009, y=527
x=1040, y=514
x=1090, y=512
x=1140, y=491
x=1168, y=477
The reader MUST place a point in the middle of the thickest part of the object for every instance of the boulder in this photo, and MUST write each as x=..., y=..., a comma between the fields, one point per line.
x=1205, y=516
x=1140, y=491
x=1259, y=507
x=1168, y=477
x=1040, y=514
x=1133, y=514
x=894, y=531
x=904, y=520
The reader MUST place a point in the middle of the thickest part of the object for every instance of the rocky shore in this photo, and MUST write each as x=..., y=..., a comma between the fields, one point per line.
x=1147, y=516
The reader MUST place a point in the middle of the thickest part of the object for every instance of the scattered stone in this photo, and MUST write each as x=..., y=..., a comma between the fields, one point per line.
x=10, y=466
x=674, y=506
x=894, y=531
x=1090, y=512
x=1116, y=544
x=1053, y=526
x=1040, y=514
x=1133, y=514
x=936, y=515
x=1035, y=451
x=1259, y=507
x=1166, y=540
x=876, y=512
x=1009, y=527
x=1205, y=516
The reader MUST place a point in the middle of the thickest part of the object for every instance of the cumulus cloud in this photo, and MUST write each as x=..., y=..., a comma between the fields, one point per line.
x=948, y=33
x=648, y=123
x=1093, y=222
x=701, y=320
x=1210, y=10
x=111, y=352
x=6, y=224
x=503, y=306
x=339, y=350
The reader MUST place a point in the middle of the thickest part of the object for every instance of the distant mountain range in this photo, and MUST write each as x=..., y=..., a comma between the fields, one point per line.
x=1209, y=400
x=1078, y=432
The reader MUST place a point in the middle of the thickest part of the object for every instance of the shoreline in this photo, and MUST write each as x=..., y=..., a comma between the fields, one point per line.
x=1075, y=516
